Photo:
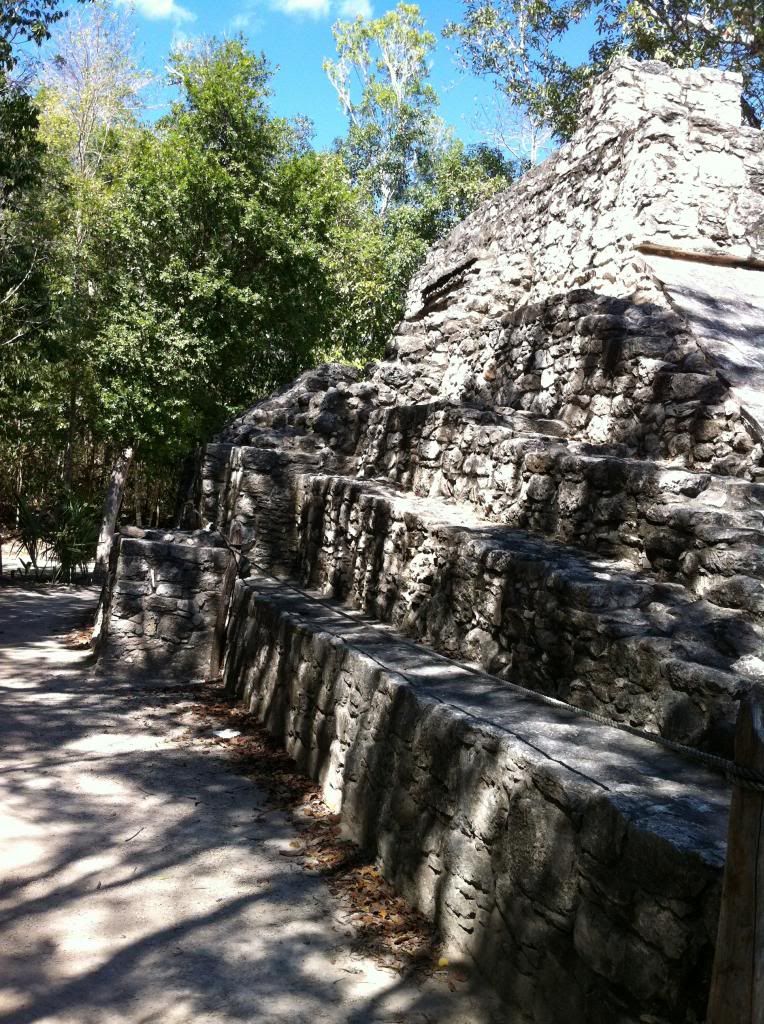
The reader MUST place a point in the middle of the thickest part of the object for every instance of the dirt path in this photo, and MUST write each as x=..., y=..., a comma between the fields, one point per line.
x=141, y=879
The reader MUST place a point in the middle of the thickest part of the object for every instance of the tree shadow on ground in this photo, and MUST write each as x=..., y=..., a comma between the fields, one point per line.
x=477, y=824
x=152, y=888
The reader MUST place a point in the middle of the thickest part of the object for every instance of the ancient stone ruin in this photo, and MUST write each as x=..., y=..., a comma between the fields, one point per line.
x=464, y=570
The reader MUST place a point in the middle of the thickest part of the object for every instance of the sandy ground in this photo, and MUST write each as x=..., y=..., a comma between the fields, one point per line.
x=13, y=559
x=140, y=876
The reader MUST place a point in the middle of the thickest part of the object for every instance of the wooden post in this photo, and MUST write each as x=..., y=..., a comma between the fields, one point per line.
x=112, y=505
x=226, y=593
x=737, y=982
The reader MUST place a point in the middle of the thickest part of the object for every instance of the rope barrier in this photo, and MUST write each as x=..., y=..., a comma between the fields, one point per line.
x=735, y=774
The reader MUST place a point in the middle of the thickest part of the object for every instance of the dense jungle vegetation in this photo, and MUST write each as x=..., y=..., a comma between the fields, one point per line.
x=156, y=276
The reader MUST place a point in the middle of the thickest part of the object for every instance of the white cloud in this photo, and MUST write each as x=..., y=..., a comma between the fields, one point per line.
x=158, y=10
x=354, y=8
x=249, y=17
x=323, y=8
x=312, y=8
x=181, y=40
x=296, y=8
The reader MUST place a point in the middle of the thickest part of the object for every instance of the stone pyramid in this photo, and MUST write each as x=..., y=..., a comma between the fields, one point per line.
x=493, y=586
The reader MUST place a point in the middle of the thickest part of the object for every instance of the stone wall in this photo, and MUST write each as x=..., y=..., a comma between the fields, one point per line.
x=324, y=408
x=612, y=370
x=258, y=492
x=579, y=868
x=528, y=474
x=590, y=629
x=660, y=159
x=622, y=645
x=543, y=299
x=161, y=601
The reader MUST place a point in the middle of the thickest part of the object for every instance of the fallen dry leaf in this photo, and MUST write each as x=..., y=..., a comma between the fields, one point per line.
x=385, y=926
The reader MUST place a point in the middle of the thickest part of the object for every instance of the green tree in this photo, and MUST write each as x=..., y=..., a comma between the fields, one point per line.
x=91, y=87
x=23, y=23
x=226, y=232
x=191, y=266
x=391, y=113
x=517, y=44
x=416, y=179
x=24, y=234
x=203, y=312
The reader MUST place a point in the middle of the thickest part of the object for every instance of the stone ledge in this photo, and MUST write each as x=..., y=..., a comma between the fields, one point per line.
x=580, y=866
x=580, y=627
x=702, y=529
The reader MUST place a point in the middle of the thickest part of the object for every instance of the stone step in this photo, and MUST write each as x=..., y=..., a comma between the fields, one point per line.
x=577, y=865
x=695, y=527
x=701, y=530
x=254, y=484
x=330, y=401
x=583, y=628
x=611, y=368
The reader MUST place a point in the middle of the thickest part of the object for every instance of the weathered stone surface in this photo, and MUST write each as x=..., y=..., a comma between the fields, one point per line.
x=700, y=529
x=585, y=630
x=554, y=474
x=559, y=301
x=558, y=853
x=725, y=306
x=613, y=370
x=330, y=401
x=160, y=602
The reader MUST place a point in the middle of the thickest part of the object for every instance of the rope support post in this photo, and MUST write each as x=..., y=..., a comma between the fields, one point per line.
x=217, y=649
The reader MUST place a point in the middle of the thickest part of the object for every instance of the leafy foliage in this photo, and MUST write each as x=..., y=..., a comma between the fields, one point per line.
x=63, y=532
x=416, y=179
x=517, y=43
x=392, y=119
x=222, y=228
x=21, y=286
x=171, y=273
x=32, y=531
x=24, y=21
x=73, y=536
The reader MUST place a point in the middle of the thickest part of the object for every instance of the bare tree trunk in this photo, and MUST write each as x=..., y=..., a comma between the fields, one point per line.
x=91, y=463
x=137, y=496
x=111, y=508
x=70, y=438
x=19, y=486
x=184, y=499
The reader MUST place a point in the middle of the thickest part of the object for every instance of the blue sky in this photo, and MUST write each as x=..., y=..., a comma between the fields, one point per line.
x=296, y=36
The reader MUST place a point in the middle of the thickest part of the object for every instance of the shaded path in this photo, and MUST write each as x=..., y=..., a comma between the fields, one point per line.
x=140, y=878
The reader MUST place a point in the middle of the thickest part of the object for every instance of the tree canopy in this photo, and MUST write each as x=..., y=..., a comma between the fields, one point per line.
x=518, y=44
x=160, y=276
